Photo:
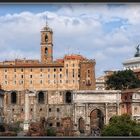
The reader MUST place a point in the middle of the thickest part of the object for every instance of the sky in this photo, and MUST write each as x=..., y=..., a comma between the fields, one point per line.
x=108, y=33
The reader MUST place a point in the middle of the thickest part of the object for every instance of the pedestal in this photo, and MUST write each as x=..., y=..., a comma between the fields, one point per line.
x=26, y=126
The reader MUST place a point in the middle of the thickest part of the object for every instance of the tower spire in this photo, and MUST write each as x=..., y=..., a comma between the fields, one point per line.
x=46, y=44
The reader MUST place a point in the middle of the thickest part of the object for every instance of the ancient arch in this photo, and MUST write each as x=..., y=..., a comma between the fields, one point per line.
x=13, y=97
x=41, y=97
x=81, y=126
x=96, y=120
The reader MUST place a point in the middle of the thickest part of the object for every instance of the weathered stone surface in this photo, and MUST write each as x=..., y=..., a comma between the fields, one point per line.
x=37, y=128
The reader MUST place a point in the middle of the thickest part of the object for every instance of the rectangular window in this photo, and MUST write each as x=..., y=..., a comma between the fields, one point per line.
x=48, y=75
x=58, y=124
x=5, y=70
x=88, y=73
x=41, y=70
x=73, y=73
x=31, y=70
x=21, y=70
x=66, y=72
x=14, y=70
x=40, y=81
x=31, y=82
x=54, y=70
x=5, y=76
x=54, y=76
x=48, y=70
x=21, y=76
x=30, y=76
x=6, y=82
x=78, y=72
x=50, y=110
x=58, y=109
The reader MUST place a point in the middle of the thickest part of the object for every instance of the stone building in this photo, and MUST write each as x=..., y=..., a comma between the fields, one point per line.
x=101, y=81
x=93, y=109
x=131, y=103
x=35, y=89
x=73, y=72
x=83, y=109
x=62, y=91
x=1, y=106
x=133, y=63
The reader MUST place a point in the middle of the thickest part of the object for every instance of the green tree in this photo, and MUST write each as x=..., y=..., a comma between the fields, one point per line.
x=121, y=126
x=121, y=80
x=51, y=132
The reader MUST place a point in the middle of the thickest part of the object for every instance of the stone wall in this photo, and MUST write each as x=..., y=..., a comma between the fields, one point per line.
x=94, y=108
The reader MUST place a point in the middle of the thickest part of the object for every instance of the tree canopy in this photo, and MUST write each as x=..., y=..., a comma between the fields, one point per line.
x=121, y=126
x=121, y=80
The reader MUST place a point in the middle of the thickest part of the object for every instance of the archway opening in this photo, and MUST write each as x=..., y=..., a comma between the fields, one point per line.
x=46, y=50
x=13, y=97
x=96, y=121
x=68, y=97
x=41, y=97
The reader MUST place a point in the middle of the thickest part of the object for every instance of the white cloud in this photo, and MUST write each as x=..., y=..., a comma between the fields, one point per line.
x=79, y=27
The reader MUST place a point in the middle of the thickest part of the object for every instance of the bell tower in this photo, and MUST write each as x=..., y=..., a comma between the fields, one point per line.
x=46, y=45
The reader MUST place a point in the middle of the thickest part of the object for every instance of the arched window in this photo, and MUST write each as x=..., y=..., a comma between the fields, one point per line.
x=46, y=38
x=46, y=50
x=13, y=97
x=68, y=97
x=41, y=97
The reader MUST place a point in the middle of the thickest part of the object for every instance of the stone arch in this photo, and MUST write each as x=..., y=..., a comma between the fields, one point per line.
x=81, y=125
x=96, y=120
x=68, y=97
x=41, y=97
x=13, y=97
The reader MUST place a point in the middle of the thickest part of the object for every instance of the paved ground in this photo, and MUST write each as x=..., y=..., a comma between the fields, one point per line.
x=21, y=133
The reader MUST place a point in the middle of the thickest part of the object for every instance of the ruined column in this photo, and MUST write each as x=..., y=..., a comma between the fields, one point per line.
x=118, y=103
x=26, y=120
x=106, y=113
x=74, y=115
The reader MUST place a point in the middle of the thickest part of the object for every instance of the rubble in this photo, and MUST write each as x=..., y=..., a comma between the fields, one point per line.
x=37, y=128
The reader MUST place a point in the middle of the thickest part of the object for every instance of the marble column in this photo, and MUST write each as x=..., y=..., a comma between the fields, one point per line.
x=26, y=119
x=34, y=105
x=106, y=113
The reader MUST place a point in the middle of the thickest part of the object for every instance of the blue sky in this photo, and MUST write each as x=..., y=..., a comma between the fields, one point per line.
x=107, y=33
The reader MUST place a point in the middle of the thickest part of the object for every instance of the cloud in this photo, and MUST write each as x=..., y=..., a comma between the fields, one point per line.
x=107, y=33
